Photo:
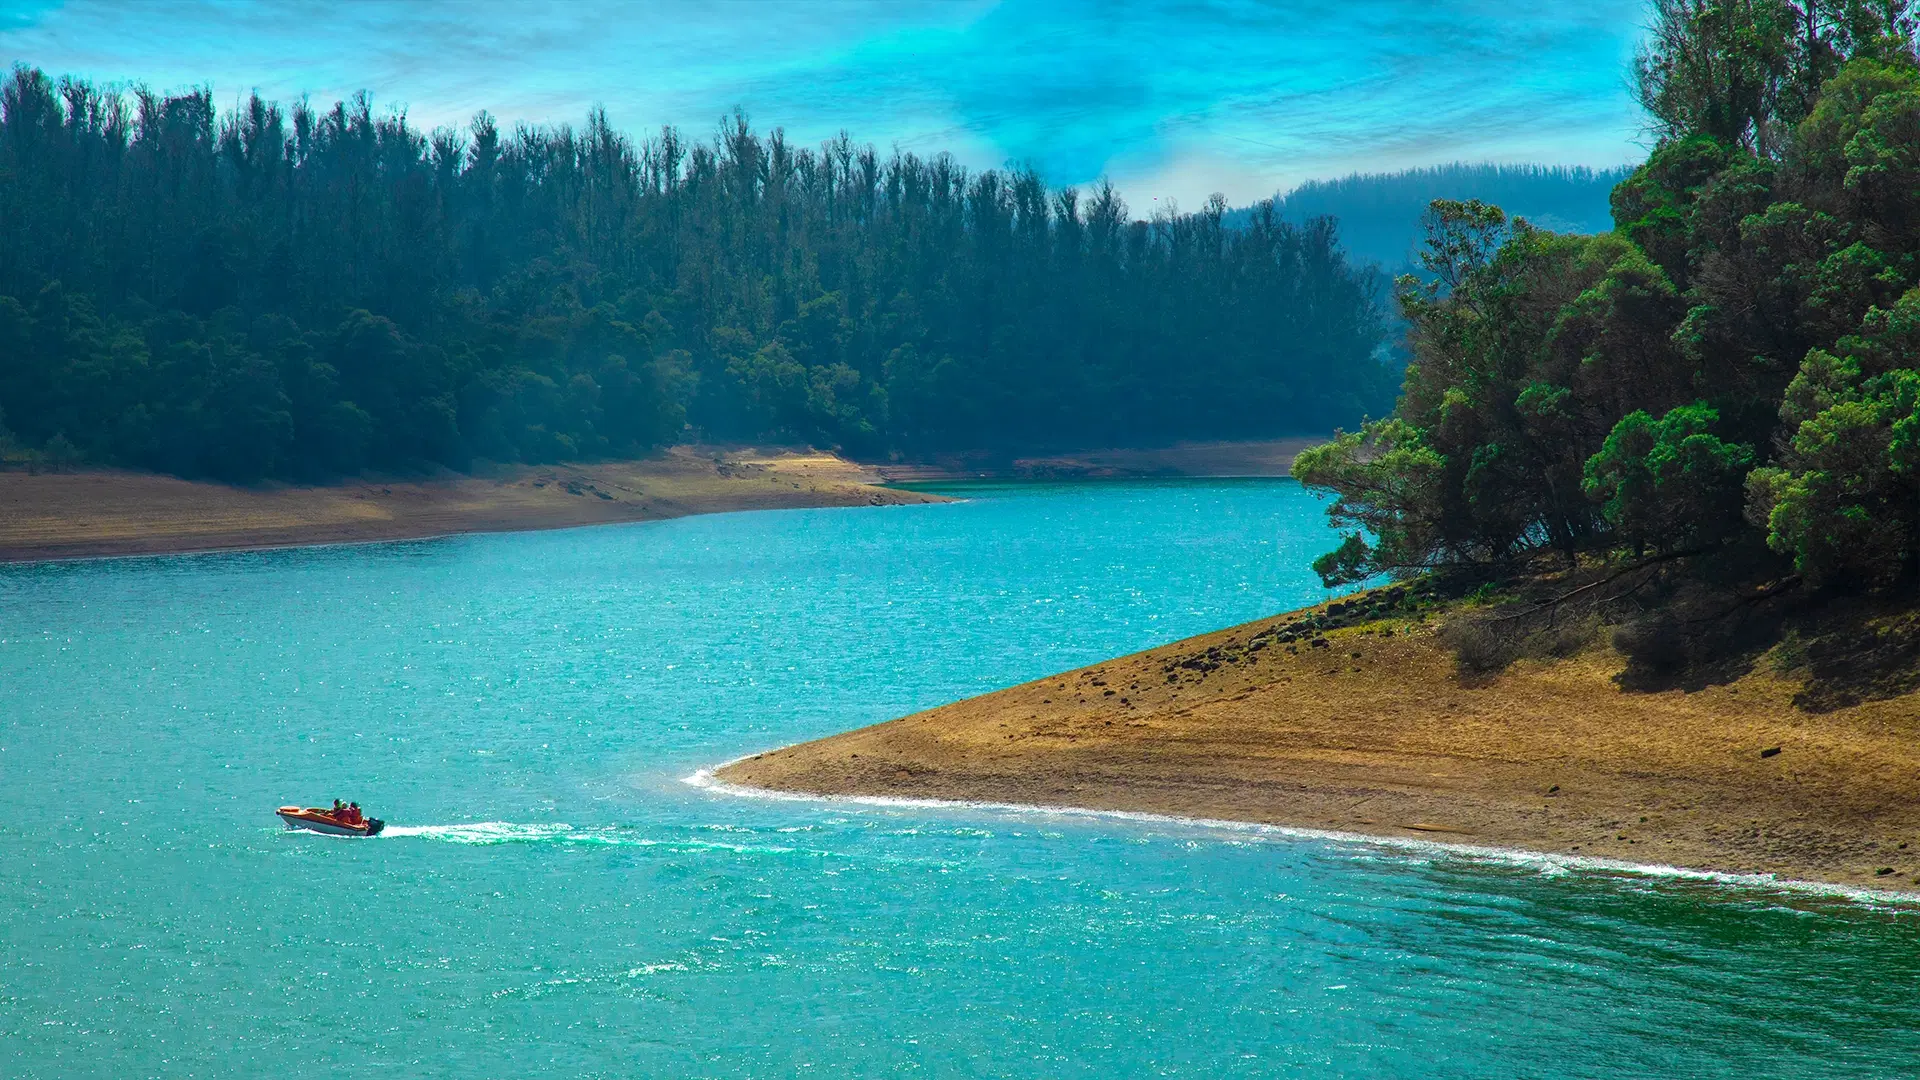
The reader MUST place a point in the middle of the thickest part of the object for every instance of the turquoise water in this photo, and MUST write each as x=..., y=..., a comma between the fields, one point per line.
x=552, y=900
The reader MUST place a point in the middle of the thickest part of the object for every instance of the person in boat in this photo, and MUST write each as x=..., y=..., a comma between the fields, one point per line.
x=339, y=810
x=354, y=816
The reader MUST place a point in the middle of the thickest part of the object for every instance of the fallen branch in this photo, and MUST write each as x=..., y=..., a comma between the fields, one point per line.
x=1555, y=602
x=1785, y=584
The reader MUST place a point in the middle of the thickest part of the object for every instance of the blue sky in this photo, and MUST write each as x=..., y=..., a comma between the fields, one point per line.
x=1172, y=100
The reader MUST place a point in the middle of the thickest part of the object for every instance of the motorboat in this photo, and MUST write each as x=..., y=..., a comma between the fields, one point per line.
x=321, y=820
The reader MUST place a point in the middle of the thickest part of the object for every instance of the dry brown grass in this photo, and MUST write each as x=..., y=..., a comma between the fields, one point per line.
x=66, y=515
x=1381, y=731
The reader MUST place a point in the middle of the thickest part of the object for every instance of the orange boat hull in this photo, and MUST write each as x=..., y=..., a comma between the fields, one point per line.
x=315, y=819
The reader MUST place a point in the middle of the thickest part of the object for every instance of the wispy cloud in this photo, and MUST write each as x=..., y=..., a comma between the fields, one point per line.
x=1170, y=99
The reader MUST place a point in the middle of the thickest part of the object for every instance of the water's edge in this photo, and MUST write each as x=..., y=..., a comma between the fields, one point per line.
x=707, y=780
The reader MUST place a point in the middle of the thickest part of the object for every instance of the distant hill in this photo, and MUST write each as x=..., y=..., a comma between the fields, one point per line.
x=1379, y=213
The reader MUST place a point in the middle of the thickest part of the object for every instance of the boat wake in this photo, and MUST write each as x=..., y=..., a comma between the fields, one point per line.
x=513, y=832
x=486, y=832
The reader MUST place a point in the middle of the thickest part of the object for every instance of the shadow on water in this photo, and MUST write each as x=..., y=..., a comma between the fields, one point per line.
x=1688, y=969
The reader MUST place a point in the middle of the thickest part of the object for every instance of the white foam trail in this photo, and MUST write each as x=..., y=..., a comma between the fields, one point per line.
x=482, y=832
x=1545, y=862
x=513, y=832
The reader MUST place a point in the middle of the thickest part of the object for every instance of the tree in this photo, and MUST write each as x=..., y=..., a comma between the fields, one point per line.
x=1670, y=483
x=309, y=291
x=1736, y=362
x=1718, y=68
x=1844, y=498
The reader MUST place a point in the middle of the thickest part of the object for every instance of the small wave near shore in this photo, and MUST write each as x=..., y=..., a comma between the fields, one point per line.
x=1546, y=863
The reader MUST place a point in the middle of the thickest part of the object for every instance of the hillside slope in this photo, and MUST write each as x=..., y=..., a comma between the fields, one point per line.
x=1379, y=213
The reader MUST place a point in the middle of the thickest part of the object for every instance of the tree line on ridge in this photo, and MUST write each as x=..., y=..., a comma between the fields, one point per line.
x=1379, y=213
x=303, y=293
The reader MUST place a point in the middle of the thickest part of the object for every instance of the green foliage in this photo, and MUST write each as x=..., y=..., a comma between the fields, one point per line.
x=1739, y=360
x=1653, y=207
x=1346, y=564
x=299, y=293
x=1528, y=347
x=1384, y=479
x=1720, y=68
x=1669, y=483
x=1820, y=145
x=1844, y=496
x=1743, y=72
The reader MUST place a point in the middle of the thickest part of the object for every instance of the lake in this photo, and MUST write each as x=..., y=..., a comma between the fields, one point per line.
x=550, y=898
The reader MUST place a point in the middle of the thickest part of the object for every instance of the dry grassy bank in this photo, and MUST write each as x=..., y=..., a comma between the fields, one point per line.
x=1362, y=720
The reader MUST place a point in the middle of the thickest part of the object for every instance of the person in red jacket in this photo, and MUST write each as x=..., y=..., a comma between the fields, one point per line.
x=354, y=816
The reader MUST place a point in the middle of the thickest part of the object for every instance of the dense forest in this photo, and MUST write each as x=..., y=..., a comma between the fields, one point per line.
x=300, y=292
x=1727, y=376
x=1380, y=213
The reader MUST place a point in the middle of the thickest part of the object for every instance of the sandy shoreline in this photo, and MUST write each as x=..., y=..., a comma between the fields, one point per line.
x=1239, y=458
x=1374, y=735
x=708, y=780
x=105, y=513
x=102, y=513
